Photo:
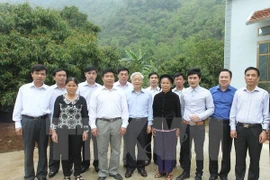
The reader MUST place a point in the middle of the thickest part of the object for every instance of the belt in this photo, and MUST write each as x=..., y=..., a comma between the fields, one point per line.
x=200, y=123
x=247, y=125
x=35, y=117
x=109, y=119
x=220, y=120
x=137, y=119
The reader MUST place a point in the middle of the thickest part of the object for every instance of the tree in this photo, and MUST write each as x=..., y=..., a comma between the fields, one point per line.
x=138, y=63
x=206, y=54
x=35, y=35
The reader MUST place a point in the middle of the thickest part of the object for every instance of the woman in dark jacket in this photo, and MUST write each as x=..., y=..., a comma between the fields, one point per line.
x=70, y=127
x=166, y=125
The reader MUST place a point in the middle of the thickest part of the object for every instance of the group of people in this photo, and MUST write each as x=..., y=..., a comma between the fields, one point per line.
x=72, y=113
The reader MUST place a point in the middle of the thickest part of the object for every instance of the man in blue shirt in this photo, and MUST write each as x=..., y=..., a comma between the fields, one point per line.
x=219, y=129
x=140, y=121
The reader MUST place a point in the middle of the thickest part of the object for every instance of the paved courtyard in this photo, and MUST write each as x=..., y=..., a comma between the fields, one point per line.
x=11, y=167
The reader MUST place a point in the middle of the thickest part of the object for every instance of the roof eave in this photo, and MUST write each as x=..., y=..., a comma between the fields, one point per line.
x=257, y=20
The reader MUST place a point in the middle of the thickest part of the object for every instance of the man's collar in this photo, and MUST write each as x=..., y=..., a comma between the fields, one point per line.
x=196, y=88
x=85, y=83
x=157, y=88
x=142, y=90
x=175, y=89
x=104, y=88
x=117, y=83
x=41, y=87
x=57, y=87
x=228, y=88
x=256, y=89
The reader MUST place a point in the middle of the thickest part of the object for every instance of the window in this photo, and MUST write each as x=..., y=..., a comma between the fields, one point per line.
x=264, y=64
x=263, y=31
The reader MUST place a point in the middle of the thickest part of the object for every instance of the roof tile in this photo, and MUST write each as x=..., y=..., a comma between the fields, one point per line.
x=258, y=15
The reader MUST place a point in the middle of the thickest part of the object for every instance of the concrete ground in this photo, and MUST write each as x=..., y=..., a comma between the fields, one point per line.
x=11, y=166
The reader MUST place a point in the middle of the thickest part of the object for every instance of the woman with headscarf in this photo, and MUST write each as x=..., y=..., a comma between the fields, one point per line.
x=166, y=127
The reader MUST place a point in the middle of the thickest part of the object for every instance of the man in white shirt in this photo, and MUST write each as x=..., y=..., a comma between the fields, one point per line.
x=108, y=115
x=153, y=79
x=86, y=89
x=31, y=121
x=126, y=87
x=249, y=121
x=196, y=105
x=179, y=82
x=60, y=77
x=153, y=89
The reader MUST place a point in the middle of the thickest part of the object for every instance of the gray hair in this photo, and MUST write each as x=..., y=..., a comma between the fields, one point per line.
x=136, y=73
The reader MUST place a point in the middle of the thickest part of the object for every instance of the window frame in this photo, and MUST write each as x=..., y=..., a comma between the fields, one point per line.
x=266, y=83
x=261, y=28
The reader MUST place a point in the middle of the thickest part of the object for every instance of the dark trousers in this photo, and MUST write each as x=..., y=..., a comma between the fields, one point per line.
x=35, y=131
x=165, y=143
x=53, y=164
x=248, y=139
x=219, y=132
x=69, y=147
x=86, y=151
x=187, y=134
x=149, y=147
x=136, y=135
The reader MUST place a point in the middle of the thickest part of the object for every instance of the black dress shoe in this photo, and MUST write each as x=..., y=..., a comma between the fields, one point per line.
x=52, y=173
x=213, y=177
x=223, y=177
x=128, y=174
x=96, y=169
x=101, y=178
x=84, y=168
x=116, y=176
x=184, y=175
x=146, y=163
x=198, y=177
x=143, y=173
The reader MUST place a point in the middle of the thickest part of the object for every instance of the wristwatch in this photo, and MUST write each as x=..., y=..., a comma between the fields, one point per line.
x=86, y=128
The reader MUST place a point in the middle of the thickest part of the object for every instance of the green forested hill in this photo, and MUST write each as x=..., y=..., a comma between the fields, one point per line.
x=159, y=27
x=168, y=35
x=162, y=30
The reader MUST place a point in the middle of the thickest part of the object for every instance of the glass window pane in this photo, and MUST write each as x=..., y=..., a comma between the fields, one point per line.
x=263, y=48
x=268, y=67
x=263, y=67
x=264, y=31
x=265, y=86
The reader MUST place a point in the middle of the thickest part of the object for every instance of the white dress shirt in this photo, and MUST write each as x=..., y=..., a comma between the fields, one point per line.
x=250, y=107
x=178, y=92
x=127, y=88
x=86, y=91
x=30, y=101
x=108, y=104
x=153, y=92
x=53, y=92
x=198, y=102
